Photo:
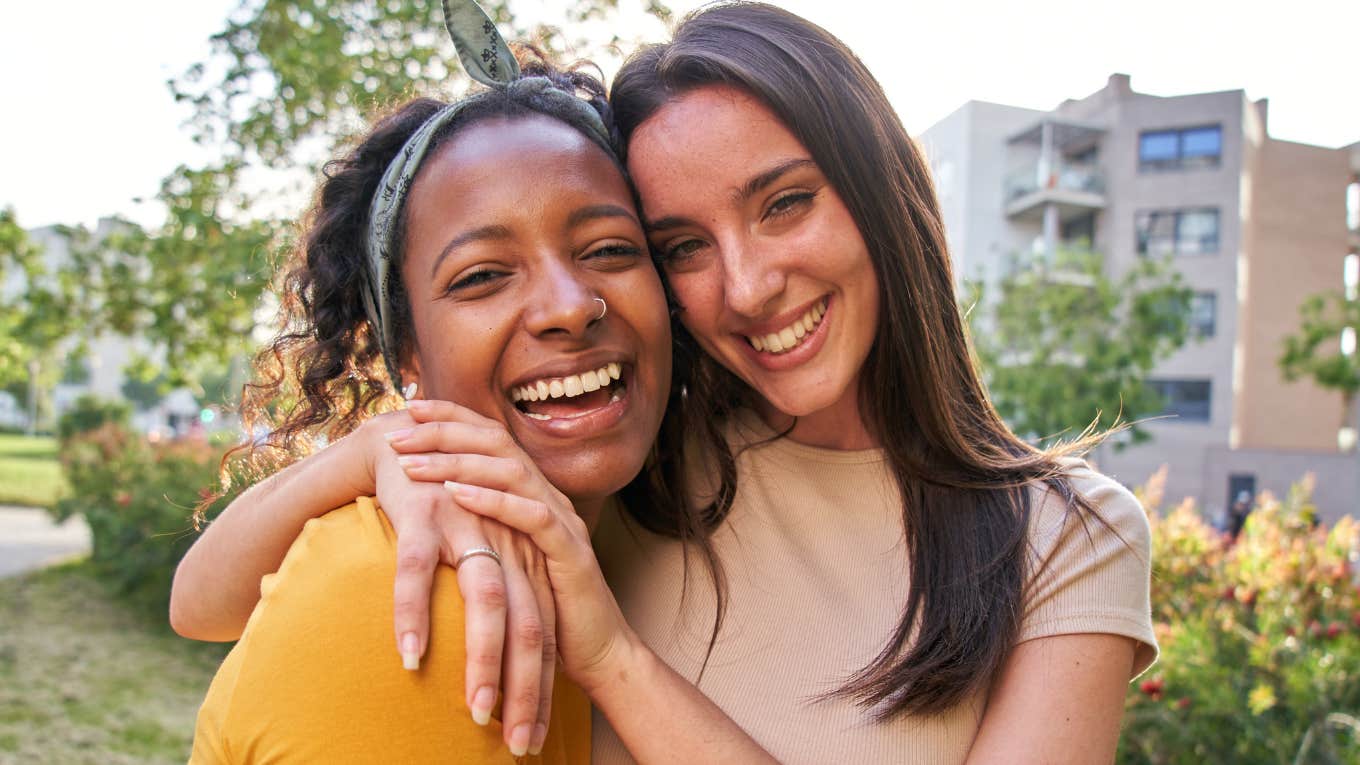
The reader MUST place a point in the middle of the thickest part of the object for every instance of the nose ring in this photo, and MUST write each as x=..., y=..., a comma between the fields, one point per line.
x=604, y=308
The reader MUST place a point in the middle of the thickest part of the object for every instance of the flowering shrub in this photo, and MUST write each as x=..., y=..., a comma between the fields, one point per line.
x=1260, y=639
x=138, y=499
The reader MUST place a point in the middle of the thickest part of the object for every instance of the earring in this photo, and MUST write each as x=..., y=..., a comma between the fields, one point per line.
x=409, y=392
x=604, y=308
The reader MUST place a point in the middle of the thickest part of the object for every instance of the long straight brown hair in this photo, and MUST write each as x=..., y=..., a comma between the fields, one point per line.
x=963, y=477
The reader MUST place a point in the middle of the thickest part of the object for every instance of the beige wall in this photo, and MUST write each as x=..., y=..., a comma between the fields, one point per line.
x=1295, y=239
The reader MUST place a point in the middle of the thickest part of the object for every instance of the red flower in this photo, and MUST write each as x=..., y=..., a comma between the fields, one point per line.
x=1183, y=702
x=1153, y=688
x=122, y=498
x=1333, y=629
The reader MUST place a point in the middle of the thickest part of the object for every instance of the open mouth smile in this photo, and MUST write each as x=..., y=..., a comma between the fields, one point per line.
x=571, y=397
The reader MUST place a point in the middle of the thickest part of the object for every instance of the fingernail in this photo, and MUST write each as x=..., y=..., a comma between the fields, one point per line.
x=410, y=651
x=482, y=703
x=459, y=490
x=394, y=436
x=540, y=735
x=418, y=404
x=413, y=461
x=519, y=740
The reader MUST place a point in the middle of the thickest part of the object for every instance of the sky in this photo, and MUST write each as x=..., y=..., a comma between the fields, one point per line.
x=90, y=126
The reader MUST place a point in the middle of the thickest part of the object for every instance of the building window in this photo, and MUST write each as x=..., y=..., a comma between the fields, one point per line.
x=1203, y=308
x=1182, y=149
x=1186, y=400
x=1177, y=232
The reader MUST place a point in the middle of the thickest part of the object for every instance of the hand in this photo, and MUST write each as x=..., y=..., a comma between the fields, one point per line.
x=489, y=475
x=512, y=600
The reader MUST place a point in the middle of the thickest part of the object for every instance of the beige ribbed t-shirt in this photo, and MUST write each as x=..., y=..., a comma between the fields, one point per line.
x=817, y=574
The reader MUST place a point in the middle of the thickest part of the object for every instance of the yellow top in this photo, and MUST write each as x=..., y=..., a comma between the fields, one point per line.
x=316, y=676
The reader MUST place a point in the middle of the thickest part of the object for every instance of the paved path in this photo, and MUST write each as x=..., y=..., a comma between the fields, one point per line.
x=29, y=539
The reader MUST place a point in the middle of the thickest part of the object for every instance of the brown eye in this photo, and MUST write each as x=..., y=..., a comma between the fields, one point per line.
x=788, y=203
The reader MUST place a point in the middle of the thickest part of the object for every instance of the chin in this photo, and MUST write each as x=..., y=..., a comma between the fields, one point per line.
x=593, y=475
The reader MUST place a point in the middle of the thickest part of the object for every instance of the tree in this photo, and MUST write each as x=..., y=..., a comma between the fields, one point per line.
x=1317, y=352
x=1064, y=346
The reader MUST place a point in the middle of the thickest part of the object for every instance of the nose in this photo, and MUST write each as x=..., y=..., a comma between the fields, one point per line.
x=751, y=278
x=560, y=302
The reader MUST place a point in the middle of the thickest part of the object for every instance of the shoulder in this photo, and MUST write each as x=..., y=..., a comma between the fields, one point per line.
x=1089, y=564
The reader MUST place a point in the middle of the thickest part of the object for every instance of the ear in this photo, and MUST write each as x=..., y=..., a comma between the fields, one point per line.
x=410, y=376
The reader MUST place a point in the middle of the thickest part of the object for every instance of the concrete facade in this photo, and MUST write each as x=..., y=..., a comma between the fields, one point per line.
x=1091, y=170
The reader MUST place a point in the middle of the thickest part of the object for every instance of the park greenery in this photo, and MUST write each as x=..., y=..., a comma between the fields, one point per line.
x=1064, y=345
x=1316, y=352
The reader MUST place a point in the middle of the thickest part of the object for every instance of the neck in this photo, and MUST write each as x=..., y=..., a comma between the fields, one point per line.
x=839, y=426
x=590, y=509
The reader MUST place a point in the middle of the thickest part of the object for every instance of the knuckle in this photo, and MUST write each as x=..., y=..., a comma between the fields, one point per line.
x=489, y=593
x=529, y=631
x=488, y=661
x=415, y=561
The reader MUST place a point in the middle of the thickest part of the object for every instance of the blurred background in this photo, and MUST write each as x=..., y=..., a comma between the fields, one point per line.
x=1154, y=217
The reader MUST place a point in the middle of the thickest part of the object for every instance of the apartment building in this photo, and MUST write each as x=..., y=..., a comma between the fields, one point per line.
x=1254, y=224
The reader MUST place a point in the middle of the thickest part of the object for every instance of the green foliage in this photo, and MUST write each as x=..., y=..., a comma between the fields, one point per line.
x=138, y=500
x=1260, y=639
x=1314, y=352
x=91, y=413
x=1063, y=346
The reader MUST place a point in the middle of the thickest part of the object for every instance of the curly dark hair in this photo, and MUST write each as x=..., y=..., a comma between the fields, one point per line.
x=323, y=373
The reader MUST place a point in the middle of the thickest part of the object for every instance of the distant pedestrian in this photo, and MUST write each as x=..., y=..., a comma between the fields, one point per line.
x=1238, y=512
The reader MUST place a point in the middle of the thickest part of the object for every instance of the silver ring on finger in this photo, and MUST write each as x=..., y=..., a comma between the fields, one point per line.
x=473, y=552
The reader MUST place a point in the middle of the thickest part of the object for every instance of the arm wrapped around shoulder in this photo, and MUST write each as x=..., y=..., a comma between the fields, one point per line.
x=1090, y=572
x=316, y=677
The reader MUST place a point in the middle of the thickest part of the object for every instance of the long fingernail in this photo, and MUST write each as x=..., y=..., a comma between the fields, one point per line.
x=410, y=651
x=540, y=735
x=482, y=703
x=412, y=461
x=460, y=490
x=519, y=740
x=418, y=404
x=394, y=436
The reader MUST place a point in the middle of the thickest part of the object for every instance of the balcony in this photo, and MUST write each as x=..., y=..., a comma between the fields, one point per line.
x=1054, y=168
x=1075, y=187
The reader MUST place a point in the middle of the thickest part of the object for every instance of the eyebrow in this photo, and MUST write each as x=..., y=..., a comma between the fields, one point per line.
x=467, y=237
x=595, y=212
x=754, y=185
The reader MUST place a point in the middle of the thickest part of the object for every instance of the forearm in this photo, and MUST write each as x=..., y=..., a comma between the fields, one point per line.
x=662, y=718
x=217, y=584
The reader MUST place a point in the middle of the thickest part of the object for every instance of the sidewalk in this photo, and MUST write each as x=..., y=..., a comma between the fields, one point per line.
x=29, y=539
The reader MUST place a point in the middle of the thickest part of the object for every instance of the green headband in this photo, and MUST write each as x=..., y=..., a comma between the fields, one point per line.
x=492, y=65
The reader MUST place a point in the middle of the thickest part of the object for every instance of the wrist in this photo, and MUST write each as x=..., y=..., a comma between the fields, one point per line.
x=356, y=452
x=627, y=663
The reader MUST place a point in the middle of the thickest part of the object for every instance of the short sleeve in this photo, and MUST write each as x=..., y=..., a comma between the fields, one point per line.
x=1090, y=572
x=316, y=676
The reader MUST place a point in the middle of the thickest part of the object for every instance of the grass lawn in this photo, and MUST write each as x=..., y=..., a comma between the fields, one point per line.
x=83, y=679
x=29, y=471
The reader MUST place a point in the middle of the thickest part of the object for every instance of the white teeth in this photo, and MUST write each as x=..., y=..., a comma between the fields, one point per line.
x=791, y=336
x=568, y=386
x=538, y=416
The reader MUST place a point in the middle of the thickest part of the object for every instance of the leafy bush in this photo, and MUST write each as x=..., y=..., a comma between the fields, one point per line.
x=138, y=499
x=89, y=413
x=1260, y=639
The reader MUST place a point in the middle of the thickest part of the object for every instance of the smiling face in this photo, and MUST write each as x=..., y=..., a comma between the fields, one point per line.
x=513, y=228
x=771, y=272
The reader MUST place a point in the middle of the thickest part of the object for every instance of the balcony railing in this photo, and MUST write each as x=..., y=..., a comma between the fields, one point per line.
x=1064, y=176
